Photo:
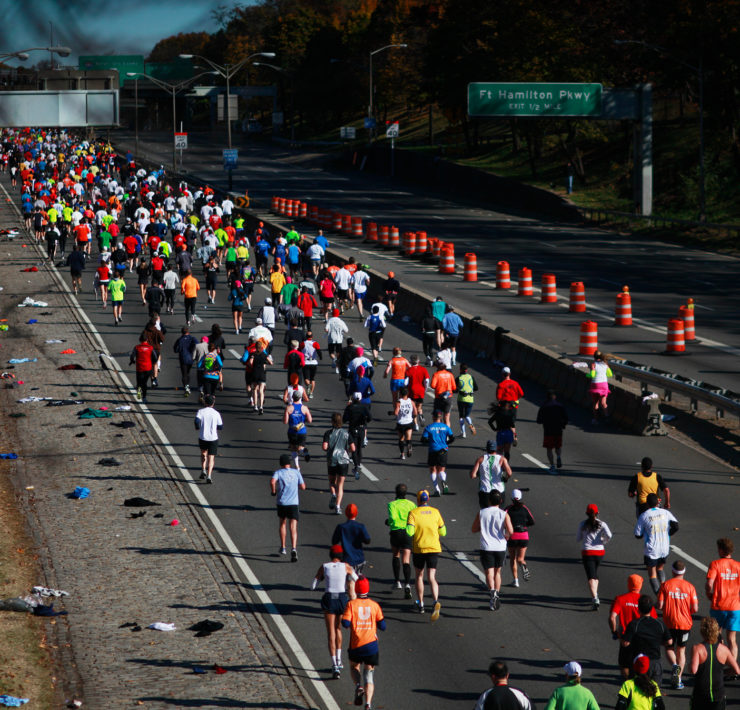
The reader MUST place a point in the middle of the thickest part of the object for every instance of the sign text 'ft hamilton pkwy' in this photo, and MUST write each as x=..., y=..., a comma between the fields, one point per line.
x=533, y=99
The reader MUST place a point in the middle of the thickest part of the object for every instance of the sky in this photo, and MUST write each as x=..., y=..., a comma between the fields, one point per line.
x=100, y=26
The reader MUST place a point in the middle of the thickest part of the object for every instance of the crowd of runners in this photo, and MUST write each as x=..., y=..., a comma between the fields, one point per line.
x=146, y=244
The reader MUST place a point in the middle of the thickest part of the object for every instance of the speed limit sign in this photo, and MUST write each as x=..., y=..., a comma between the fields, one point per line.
x=181, y=141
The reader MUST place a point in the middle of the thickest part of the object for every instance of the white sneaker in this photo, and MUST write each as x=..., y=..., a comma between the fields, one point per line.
x=515, y=583
x=463, y=435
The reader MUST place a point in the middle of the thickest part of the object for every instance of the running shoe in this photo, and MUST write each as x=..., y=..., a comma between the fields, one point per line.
x=359, y=694
x=445, y=489
x=335, y=673
x=679, y=685
x=332, y=502
x=436, y=493
x=553, y=470
x=472, y=430
x=495, y=603
x=397, y=584
x=419, y=607
x=138, y=393
x=155, y=382
x=357, y=473
x=306, y=455
x=403, y=456
x=294, y=555
x=338, y=510
x=209, y=480
x=436, y=611
x=595, y=603
x=407, y=592
x=560, y=462
x=525, y=572
x=203, y=475
x=283, y=551
x=515, y=583
x=675, y=675
x=187, y=390
x=261, y=412
x=463, y=435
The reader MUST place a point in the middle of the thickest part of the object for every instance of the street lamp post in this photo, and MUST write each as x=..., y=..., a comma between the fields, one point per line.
x=227, y=71
x=700, y=74
x=173, y=89
x=372, y=54
x=22, y=54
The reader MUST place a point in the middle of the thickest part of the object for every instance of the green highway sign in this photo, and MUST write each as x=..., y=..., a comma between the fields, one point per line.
x=533, y=99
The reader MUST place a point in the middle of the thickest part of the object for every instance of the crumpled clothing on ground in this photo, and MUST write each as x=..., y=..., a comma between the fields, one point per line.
x=55, y=340
x=16, y=604
x=71, y=366
x=123, y=408
x=26, y=400
x=110, y=461
x=9, y=456
x=162, y=626
x=43, y=610
x=31, y=321
x=49, y=592
x=28, y=301
x=138, y=502
x=19, y=360
x=89, y=413
x=68, y=351
x=10, y=701
x=63, y=402
x=81, y=492
x=206, y=627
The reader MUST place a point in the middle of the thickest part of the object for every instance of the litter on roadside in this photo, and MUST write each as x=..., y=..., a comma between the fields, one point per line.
x=138, y=502
x=28, y=301
x=162, y=626
x=10, y=701
x=54, y=340
x=80, y=492
x=48, y=591
x=108, y=461
x=26, y=400
x=9, y=456
x=90, y=413
x=19, y=360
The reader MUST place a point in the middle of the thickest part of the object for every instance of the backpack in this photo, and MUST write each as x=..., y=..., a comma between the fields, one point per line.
x=374, y=324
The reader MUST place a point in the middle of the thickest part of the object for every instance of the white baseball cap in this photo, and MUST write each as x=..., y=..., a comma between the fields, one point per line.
x=572, y=668
x=506, y=370
x=516, y=494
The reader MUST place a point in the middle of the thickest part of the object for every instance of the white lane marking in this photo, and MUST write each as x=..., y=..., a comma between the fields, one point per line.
x=535, y=461
x=270, y=608
x=235, y=354
x=368, y=473
x=689, y=558
x=462, y=558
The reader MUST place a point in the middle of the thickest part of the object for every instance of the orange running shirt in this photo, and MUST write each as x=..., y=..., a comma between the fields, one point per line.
x=679, y=598
x=363, y=615
x=399, y=365
x=189, y=287
x=725, y=573
x=443, y=381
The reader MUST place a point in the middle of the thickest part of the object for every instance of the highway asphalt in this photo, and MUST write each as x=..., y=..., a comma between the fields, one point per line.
x=661, y=276
x=540, y=625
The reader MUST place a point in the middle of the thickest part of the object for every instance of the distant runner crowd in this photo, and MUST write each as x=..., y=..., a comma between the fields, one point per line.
x=135, y=235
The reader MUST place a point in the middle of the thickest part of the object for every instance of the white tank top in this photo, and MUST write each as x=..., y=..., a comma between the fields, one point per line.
x=600, y=369
x=297, y=388
x=335, y=577
x=489, y=474
x=492, y=529
x=405, y=411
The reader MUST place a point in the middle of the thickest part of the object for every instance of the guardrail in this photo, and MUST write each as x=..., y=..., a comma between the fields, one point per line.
x=673, y=384
x=600, y=215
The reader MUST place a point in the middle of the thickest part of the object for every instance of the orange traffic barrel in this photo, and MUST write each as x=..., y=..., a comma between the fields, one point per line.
x=589, y=338
x=274, y=204
x=471, y=267
x=525, y=282
x=313, y=214
x=281, y=205
x=436, y=246
x=336, y=222
x=675, y=342
x=394, y=238
x=384, y=237
x=686, y=313
x=409, y=243
x=327, y=219
x=357, y=227
x=290, y=208
x=503, y=275
x=304, y=210
x=549, y=289
x=421, y=243
x=577, y=298
x=447, y=258
x=347, y=225
x=372, y=232
x=623, y=309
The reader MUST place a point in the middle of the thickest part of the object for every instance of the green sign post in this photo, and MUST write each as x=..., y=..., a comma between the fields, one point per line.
x=533, y=99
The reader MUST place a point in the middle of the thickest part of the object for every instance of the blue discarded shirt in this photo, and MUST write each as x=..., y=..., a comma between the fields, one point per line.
x=81, y=492
x=12, y=702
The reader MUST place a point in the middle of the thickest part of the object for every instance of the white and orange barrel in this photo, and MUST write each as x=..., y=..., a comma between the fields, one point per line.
x=313, y=214
x=675, y=342
x=357, y=227
x=275, y=204
x=421, y=243
x=447, y=258
x=336, y=222
x=372, y=232
x=589, y=338
x=686, y=313
x=303, y=210
x=549, y=289
x=384, y=237
x=623, y=308
x=470, y=272
x=503, y=275
x=394, y=238
x=281, y=205
x=290, y=208
x=525, y=282
x=436, y=246
x=577, y=297
x=409, y=243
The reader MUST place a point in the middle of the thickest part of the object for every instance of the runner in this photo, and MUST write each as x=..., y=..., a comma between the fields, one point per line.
x=707, y=661
x=294, y=386
x=237, y=298
x=208, y=423
x=438, y=309
x=452, y=326
x=117, y=288
x=397, y=520
x=376, y=325
x=495, y=528
x=405, y=412
x=503, y=422
x=502, y=696
x=554, y=419
x=189, y=288
x=285, y=484
x=391, y=287
x=397, y=367
x=622, y=613
x=335, y=328
x=522, y=519
x=493, y=471
x=418, y=382
x=593, y=534
x=338, y=445
x=678, y=601
x=258, y=362
x=425, y=526
x=509, y=390
x=466, y=387
x=171, y=281
x=643, y=483
x=360, y=281
x=357, y=416
x=306, y=302
x=640, y=692
x=335, y=574
x=103, y=274
x=438, y=436
x=343, y=280
x=352, y=536
x=76, y=263
x=311, y=355
x=572, y=695
x=599, y=373
x=145, y=358
x=723, y=589
x=327, y=289
x=443, y=384
x=656, y=527
x=296, y=416
x=429, y=328
x=211, y=366
x=363, y=617
x=185, y=348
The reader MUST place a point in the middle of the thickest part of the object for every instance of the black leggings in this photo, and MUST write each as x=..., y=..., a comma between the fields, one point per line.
x=358, y=437
x=591, y=565
x=185, y=372
x=142, y=380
